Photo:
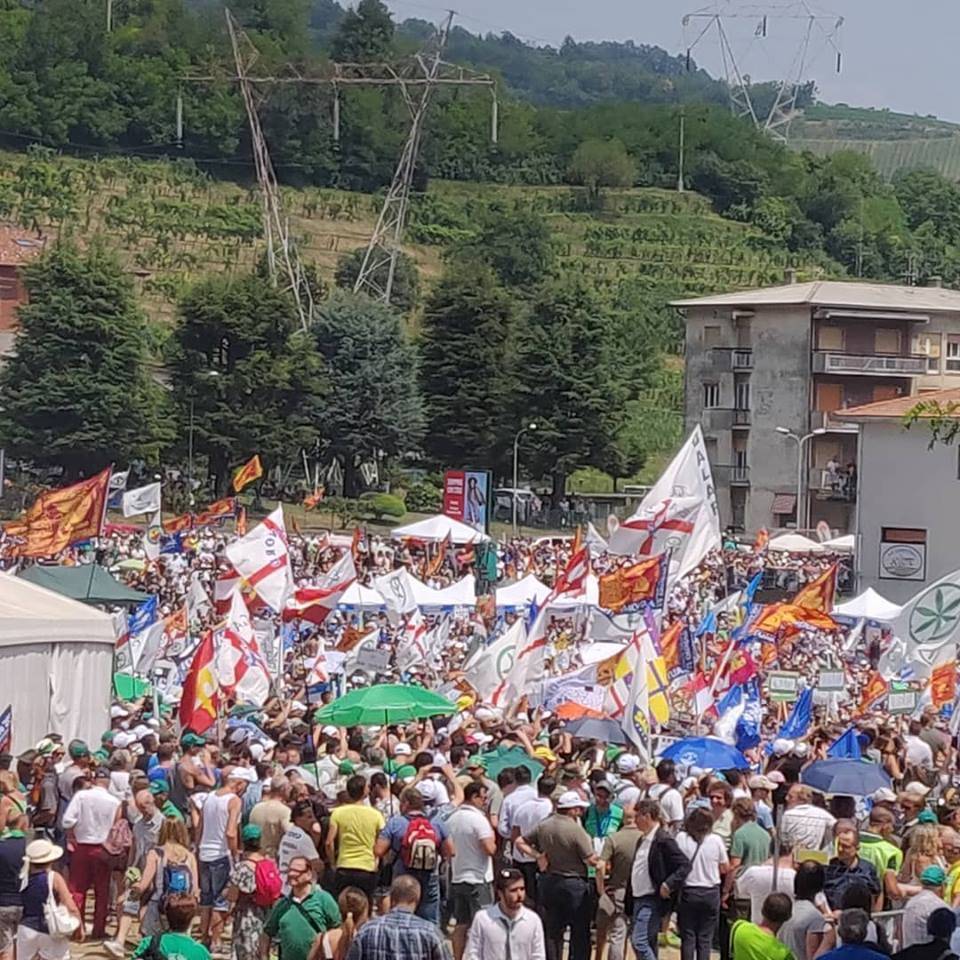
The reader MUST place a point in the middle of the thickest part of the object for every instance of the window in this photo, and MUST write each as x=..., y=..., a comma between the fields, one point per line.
x=886, y=340
x=711, y=336
x=711, y=396
x=928, y=345
x=742, y=395
x=829, y=397
x=829, y=338
x=953, y=354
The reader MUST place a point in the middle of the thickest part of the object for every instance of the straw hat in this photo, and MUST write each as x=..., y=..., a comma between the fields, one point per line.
x=42, y=851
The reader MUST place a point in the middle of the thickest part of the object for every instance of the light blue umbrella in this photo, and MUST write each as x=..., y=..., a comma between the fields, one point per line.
x=707, y=752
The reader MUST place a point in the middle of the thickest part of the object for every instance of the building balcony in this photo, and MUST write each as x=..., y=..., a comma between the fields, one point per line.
x=869, y=364
x=734, y=475
x=732, y=359
x=831, y=422
x=726, y=418
x=832, y=485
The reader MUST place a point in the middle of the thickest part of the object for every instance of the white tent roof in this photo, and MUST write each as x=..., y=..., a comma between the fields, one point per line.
x=437, y=528
x=795, y=543
x=519, y=594
x=840, y=544
x=357, y=595
x=459, y=594
x=869, y=606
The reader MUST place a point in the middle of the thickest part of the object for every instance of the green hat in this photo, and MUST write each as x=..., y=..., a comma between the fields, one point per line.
x=346, y=768
x=475, y=761
x=933, y=876
x=107, y=737
x=926, y=816
x=190, y=739
x=78, y=749
x=159, y=786
x=101, y=756
x=406, y=772
x=250, y=832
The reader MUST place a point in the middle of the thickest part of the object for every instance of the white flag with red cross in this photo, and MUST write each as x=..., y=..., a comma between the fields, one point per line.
x=262, y=559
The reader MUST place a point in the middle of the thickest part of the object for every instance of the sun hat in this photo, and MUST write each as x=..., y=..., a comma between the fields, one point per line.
x=43, y=851
x=917, y=788
x=570, y=800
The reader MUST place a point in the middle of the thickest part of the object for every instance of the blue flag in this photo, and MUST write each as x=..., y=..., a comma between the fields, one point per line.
x=798, y=722
x=748, y=727
x=752, y=587
x=707, y=625
x=143, y=615
x=846, y=746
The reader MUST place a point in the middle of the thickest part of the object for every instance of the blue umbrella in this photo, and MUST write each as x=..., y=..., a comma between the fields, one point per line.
x=850, y=778
x=596, y=728
x=706, y=752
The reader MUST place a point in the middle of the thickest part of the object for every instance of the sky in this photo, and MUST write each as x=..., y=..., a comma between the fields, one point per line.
x=895, y=54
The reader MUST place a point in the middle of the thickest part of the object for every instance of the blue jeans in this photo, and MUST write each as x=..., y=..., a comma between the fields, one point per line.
x=429, y=906
x=646, y=926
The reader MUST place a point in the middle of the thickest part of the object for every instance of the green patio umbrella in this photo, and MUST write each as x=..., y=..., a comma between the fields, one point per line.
x=503, y=757
x=382, y=704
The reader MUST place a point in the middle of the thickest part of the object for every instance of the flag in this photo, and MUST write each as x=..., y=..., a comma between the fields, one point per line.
x=740, y=715
x=355, y=541
x=350, y=637
x=729, y=711
x=775, y=617
x=153, y=536
x=819, y=593
x=262, y=559
x=658, y=699
x=118, y=483
x=635, y=720
x=58, y=518
x=201, y=694
x=943, y=683
x=319, y=669
x=315, y=604
x=613, y=627
x=220, y=510
x=434, y=567
x=411, y=643
x=929, y=624
x=397, y=588
x=198, y=600
x=241, y=523
x=178, y=524
x=741, y=666
x=139, y=619
x=678, y=516
x=670, y=642
x=577, y=539
x=701, y=694
x=763, y=538
x=240, y=668
x=846, y=746
x=875, y=688
x=490, y=666
x=798, y=722
x=595, y=543
x=311, y=500
x=751, y=590
x=629, y=587
x=142, y=500
x=250, y=471
x=708, y=625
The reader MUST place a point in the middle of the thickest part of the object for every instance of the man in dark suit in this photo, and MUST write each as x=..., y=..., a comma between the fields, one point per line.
x=659, y=870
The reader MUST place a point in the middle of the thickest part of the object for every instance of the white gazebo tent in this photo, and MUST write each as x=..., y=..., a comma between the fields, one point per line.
x=520, y=594
x=438, y=528
x=364, y=598
x=844, y=544
x=56, y=664
x=869, y=605
x=795, y=543
x=459, y=594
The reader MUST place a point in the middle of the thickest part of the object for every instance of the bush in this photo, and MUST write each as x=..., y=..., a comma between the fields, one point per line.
x=381, y=505
x=424, y=497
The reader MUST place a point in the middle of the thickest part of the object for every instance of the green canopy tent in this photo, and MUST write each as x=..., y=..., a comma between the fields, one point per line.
x=88, y=583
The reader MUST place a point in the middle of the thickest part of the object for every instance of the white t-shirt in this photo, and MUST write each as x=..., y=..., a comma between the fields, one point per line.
x=527, y=816
x=807, y=827
x=468, y=827
x=671, y=803
x=757, y=882
x=294, y=843
x=919, y=753
x=705, y=862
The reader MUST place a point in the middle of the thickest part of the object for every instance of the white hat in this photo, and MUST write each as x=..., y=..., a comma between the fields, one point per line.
x=801, y=749
x=140, y=731
x=782, y=746
x=256, y=751
x=481, y=738
x=628, y=763
x=403, y=750
x=486, y=713
x=915, y=787
x=570, y=800
x=123, y=740
x=42, y=851
x=760, y=782
x=428, y=790
x=117, y=711
x=246, y=774
x=883, y=795
x=297, y=707
x=330, y=730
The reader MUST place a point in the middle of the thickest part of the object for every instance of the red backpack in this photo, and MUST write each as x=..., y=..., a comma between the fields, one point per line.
x=269, y=883
x=419, y=849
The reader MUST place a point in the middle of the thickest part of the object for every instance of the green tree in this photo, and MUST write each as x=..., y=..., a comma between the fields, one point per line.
x=250, y=374
x=572, y=383
x=405, y=293
x=364, y=33
x=77, y=393
x=601, y=163
x=516, y=243
x=374, y=407
x=465, y=346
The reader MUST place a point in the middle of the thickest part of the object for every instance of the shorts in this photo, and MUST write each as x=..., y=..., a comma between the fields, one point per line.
x=468, y=899
x=131, y=906
x=9, y=921
x=32, y=943
x=214, y=877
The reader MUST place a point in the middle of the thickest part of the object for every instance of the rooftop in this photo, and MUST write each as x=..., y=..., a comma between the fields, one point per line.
x=899, y=407
x=839, y=294
x=18, y=245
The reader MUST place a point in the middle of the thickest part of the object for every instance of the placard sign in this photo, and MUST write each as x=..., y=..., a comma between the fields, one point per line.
x=831, y=680
x=783, y=686
x=902, y=701
x=373, y=661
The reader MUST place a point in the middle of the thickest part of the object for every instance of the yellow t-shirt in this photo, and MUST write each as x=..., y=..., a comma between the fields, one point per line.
x=357, y=829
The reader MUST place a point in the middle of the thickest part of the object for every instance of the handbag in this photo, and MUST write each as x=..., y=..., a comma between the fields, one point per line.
x=61, y=923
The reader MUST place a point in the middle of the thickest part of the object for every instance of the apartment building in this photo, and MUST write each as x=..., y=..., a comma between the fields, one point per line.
x=768, y=370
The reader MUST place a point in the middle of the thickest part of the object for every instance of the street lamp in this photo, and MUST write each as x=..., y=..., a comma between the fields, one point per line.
x=203, y=374
x=516, y=469
x=802, y=521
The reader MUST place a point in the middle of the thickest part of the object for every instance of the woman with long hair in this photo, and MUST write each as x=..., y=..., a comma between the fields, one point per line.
x=248, y=916
x=698, y=909
x=335, y=944
x=173, y=850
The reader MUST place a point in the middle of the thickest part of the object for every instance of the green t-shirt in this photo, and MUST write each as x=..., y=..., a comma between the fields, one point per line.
x=295, y=932
x=175, y=946
x=880, y=854
x=750, y=844
x=749, y=942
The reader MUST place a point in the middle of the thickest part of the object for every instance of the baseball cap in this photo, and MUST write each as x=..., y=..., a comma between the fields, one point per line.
x=545, y=754
x=926, y=816
x=346, y=768
x=403, y=750
x=782, y=746
x=246, y=774
x=251, y=832
x=883, y=795
x=406, y=772
x=117, y=711
x=570, y=800
x=933, y=876
x=915, y=787
x=628, y=763
x=78, y=749
x=191, y=739
x=159, y=786
x=330, y=730
x=760, y=782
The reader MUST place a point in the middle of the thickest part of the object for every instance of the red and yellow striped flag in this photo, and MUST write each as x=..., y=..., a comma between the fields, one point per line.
x=818, y=594
x=250, y=471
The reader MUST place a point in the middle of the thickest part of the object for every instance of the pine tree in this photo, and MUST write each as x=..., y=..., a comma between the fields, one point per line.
x=465, y=346
x=77, y=394
x=365, y=34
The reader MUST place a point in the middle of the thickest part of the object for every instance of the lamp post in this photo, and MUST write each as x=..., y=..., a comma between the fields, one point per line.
x=516, y=470
x=211, y=375
x=802, y=519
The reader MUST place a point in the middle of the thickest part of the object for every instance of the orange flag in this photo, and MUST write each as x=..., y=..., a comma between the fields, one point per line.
x=58, y=518
x=876, y=688
x=577, y=540
x=313, y=499
x=250, y=471
x=436, y=564
x=634, y=584
x=178, y=524
x=943, y=683
x=774, y=617
x=216, y=511
x=819, y=593
x=763, y=538
x=201, y=692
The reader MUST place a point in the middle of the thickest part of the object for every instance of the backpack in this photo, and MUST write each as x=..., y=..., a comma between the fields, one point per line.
x=176, y=879
x=269, y=883
x=419, y=849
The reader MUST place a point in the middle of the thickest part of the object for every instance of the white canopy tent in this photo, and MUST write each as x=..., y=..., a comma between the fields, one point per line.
x=843, y=544
x=459, y=594
x=437, y=528
x=869, y=605
x=795, y=543
x=56, y=664
x=522, y=592
x=365, y=598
